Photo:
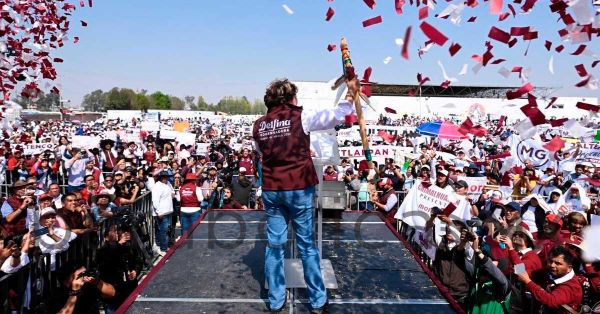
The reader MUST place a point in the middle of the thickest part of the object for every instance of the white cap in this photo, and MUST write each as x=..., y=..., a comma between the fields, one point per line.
x=243, y=169
x=443, y=172
x=46, y=211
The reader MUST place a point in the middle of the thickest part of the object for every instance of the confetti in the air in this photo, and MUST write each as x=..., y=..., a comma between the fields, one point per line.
x=287, y=9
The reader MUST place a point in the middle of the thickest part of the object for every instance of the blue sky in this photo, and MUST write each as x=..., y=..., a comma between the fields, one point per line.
x=235, y=47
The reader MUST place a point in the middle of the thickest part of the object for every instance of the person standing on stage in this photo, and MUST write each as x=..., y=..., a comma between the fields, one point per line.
x=288, y=184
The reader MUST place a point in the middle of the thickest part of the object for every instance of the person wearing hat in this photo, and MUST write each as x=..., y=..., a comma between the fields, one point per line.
x=190, y=197
x=288, y=183
x=104, y=206
x=242, y=188
x=108, y=155
x=549, y=236
x=388, y=200
x=521, y=249
x=132, y=152
x=54, y=241
x=442, y=181
x=15, y=210
x=512, y=219
x=211, y=189
x=473, y=171
x=576, y=199
x=162, y=203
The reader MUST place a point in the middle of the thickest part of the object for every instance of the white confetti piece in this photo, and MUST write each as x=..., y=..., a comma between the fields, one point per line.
x=464, y=69
x=287, y=9
x=551, y=65
x=387, y=60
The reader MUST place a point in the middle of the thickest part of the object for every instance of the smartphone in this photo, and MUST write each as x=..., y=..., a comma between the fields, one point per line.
x=502, y=245
x=40, y=232
x=519, y=268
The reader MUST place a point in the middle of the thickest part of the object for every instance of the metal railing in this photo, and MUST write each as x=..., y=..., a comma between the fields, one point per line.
x=39, y=282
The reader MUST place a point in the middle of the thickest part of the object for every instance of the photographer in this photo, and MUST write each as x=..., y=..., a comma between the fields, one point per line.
x=80, y=291
x=118, y=265
x=44, y=171
x=490, y=290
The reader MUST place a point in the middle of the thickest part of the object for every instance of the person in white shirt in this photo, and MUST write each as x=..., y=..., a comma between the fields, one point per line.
x=162, y=202
x=57, y=239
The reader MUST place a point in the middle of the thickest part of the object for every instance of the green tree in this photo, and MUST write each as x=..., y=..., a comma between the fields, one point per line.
x=201, y=105
x=177, y=103
x=94, y=101
x=47, y=101
x=117, y=100
x=141, y=102
x=160, y=100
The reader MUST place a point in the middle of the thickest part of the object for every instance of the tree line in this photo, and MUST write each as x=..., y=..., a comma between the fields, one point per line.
x=128, y=99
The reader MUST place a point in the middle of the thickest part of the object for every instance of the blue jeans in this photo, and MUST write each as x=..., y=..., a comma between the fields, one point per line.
x=280, y=207
x=162, y=225
x=188, y=219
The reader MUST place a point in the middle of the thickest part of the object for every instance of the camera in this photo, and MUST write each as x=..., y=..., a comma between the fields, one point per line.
x=88, y=273
x=474, y=223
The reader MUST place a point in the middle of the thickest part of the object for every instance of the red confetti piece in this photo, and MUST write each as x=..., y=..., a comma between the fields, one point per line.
x=81, y=3
x=534, y=114
x=558, y=122
x=472, y=3
x=496, y=7
x=367, y=75
x=519, y=92
x=331, y=47
x=548, y=45
x=421, y=79
x=579, y=50
x=83, y=23
x=389, y=110
x=512, y=42
x=503, y=16
x=552, y=100
x=90, y=3
x=555, y=144
x=454, y=48
x=530, y=36
x=528, y=5
x=595, y=63
x=588, y=107
x=487, y=56
x=399, y=4
x=329, y=14
x=584, y=82
x=512, y=10
x=519, y=31
x=433, y=34
x=406, y=42
x=580, y=68
x=471, y=19
x=558, y=6
x=387, y=137
x=477, y=58
x=370, y=3
x=423, y=13
x=372, y=21
x=445, y=84
x=567, y=19
x=58, y=60
x=75, y=39
x=559, y=48
x=499, y=35
x=498, y=61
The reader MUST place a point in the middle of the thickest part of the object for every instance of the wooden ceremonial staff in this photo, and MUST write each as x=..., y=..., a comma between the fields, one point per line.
x=349, y=74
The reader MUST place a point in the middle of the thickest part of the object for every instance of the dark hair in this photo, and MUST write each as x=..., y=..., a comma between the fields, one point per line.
x=87, y=176
x=64, y=197
x=561, y=250
x=280, y=92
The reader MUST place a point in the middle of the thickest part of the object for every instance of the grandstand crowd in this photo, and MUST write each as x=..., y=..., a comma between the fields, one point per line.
x=516, y=250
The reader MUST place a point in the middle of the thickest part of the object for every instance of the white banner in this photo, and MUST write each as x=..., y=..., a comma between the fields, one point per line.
x=202, y=148
x=85, y=142
x=531, y=150
x=590, y=152
x=37, y=148
x=476, y=185
x=415, y=210
x=186, y=138
x=150, y=126
x=379, y=153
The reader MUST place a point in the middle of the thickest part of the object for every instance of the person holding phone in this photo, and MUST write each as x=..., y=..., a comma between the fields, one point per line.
x=53, y=239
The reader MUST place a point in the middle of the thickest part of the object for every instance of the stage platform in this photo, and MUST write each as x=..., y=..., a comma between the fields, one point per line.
x=219, y=269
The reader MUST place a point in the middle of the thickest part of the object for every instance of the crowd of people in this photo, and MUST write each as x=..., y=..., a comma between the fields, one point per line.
x=527, y=216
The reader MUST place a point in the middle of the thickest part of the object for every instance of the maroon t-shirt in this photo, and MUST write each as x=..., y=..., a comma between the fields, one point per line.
x=286, y=159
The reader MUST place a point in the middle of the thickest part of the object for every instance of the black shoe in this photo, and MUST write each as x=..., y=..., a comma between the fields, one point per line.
x=278, y=310
x=321, y=310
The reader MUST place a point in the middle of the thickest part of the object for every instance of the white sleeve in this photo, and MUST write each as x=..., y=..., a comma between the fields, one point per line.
x=324, y=119
x=199, y=194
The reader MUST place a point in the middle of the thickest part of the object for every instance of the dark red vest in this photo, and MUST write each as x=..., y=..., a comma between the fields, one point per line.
x=188, y=195
x=286, y=159
x=17, y=226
